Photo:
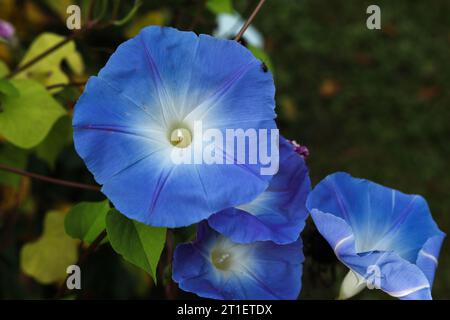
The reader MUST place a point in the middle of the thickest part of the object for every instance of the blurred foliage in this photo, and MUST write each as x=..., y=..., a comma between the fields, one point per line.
x=3, y=69
x=11, y=156
x=220, y=6
x=27, y=118
x=59, y=137
x=47, y=258
x=370, y=102
x=373, y=103
x=48, y=71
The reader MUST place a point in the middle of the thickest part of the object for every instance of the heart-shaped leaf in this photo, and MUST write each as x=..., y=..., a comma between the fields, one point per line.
x=136, y=242
x=26, y=119
x=48, y=70
x=47, y=259
x=87, y=220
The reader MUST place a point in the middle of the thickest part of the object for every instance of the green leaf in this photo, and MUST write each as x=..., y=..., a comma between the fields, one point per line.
x=59, y=137
x=220, y=6
x=136, y=242
x=14, y=157
x=4, y=70
x=8, y=89
x=27, y=119
x=47, y=259
x=48, y=70
x=86, y=220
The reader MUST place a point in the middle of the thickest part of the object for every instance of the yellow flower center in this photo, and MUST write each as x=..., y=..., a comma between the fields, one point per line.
x=181, y=137
x=221, y=259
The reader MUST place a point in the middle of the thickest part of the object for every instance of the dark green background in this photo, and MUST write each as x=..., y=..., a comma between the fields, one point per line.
x=389, y=117
x=374, y=103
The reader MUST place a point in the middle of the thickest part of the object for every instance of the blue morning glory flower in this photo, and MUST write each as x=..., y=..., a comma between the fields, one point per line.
x=386, y=237
x=215, y=267
x=141, y=109
x=279, y=213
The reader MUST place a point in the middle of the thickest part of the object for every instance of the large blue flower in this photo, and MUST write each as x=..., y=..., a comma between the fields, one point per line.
x=388, y=238
x=215, y=267
x=279, y=213
x=155, y=86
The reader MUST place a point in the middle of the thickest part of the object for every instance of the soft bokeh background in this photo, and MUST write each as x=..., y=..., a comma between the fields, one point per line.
x=374, y=103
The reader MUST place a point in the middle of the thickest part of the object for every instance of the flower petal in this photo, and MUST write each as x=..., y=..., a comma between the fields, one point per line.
x=381, y=218
x=114, y=133
x=160, y=79
x=262, y=270
x=241, y=91
x=397, y=277
x=427, y=259
x=279, y=213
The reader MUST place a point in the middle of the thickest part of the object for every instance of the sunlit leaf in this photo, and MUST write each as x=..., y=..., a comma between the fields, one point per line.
x=48, y=70
x=87, y=220
x=75, y=62
x=27, y=119
x=220, y=6
x=14, y=157
x=136, y=242
x=47, y=259
x=3, y=69
x=60, y=136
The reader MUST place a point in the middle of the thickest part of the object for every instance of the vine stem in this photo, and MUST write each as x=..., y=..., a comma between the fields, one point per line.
x=92, y=247
x=249, y=20
x=170, y=289
x=60, y=182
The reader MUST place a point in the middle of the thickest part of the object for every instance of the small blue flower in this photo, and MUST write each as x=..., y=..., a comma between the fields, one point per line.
x=279, y=213
x=155, y=86
x=215, y=267
x=388, y=238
